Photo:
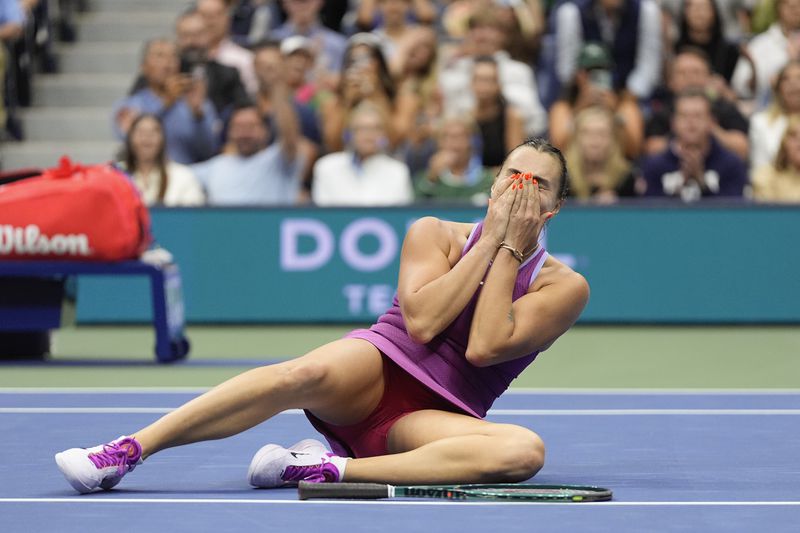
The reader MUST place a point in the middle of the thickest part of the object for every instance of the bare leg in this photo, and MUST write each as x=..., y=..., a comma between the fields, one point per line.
x=342, y=380
x=441, y=447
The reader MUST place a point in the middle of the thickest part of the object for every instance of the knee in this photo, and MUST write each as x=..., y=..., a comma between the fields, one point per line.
x=302, y=377
x=520, y=455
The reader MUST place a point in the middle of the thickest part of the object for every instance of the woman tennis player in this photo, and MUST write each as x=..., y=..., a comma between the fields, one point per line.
x=403, y=402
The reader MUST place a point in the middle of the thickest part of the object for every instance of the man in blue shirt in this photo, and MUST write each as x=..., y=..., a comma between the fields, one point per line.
x=255, y=173
x=189, y=118
x=694, y=165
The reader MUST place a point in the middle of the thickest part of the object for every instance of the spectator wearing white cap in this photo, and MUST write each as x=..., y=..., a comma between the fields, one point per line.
x=272, y=71
x=271, y=68
x=303, y=19
x=298, y=60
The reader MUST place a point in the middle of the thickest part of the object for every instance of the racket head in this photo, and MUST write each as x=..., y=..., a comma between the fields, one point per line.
x=534, y=492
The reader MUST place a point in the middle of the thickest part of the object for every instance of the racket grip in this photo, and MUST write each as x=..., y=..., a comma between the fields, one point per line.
x=359, y=491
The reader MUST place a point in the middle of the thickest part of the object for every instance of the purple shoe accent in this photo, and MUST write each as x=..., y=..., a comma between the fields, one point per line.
x=324, y=472
x=115, y=453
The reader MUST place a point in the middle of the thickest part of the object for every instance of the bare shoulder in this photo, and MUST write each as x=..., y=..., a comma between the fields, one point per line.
x=438, y=229
x=450, y=237
x=554, y=272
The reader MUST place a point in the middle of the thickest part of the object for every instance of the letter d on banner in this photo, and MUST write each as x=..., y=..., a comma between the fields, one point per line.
x=291, y=231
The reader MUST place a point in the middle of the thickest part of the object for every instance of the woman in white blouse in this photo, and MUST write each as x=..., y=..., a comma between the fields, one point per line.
x=768, y=126
x=159, y=180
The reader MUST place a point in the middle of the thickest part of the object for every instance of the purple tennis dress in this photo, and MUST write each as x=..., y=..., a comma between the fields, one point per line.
x=440, y=364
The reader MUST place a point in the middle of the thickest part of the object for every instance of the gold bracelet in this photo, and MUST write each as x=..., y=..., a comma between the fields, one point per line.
x=519, y=256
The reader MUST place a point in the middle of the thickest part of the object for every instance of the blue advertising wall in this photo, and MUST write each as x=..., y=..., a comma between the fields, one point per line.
x=708, y=264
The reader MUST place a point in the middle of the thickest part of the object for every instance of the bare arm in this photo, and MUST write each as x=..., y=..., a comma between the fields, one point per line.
x=332, y=120
x=560, y=124
x=503, y=330
x=286, y=120
x=632, y=126
x=734, y=140
x=10, y=31
x=365, y=14
x=424, y=11
x=407, y=109
x=515, y=128
x=432, y=290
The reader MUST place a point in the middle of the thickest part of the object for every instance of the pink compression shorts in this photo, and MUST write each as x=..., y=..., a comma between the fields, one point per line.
x=402, y=394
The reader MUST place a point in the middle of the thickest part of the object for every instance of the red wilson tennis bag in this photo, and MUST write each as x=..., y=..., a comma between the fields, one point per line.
x=73, y=212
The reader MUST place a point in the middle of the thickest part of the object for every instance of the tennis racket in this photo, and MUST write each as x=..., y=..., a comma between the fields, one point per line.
x=512, y=492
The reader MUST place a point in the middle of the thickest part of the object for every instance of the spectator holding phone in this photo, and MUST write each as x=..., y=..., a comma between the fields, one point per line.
x=225, y=89
x=365, y=77
x=180, y=101
x=593, y=86
x=222, y=49
x=629, y=29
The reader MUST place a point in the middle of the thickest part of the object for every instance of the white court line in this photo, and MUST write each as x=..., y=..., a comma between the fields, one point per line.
x=512, y=391
x=224, y=501
x=495, y=412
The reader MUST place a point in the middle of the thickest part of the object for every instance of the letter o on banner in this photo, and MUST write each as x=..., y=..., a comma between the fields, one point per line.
x=387, y=244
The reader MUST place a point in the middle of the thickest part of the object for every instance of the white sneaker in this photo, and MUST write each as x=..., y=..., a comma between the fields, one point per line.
x=102, y=467
x=308, y=460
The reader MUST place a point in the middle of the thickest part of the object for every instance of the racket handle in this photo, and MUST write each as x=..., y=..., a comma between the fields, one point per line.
x=360, y=491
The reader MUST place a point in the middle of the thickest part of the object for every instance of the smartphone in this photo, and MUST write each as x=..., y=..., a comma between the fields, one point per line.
x=198, y=72
x=601, y=78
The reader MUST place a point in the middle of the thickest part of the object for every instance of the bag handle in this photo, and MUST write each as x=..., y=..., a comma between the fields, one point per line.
x=66, y=169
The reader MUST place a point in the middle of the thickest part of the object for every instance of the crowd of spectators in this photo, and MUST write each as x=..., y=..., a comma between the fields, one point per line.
x=387, y=102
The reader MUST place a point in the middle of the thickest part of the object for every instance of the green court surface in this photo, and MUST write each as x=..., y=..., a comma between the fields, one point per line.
x=586, y=357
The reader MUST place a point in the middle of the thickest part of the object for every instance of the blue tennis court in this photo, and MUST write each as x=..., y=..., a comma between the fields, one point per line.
x=676, y=460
